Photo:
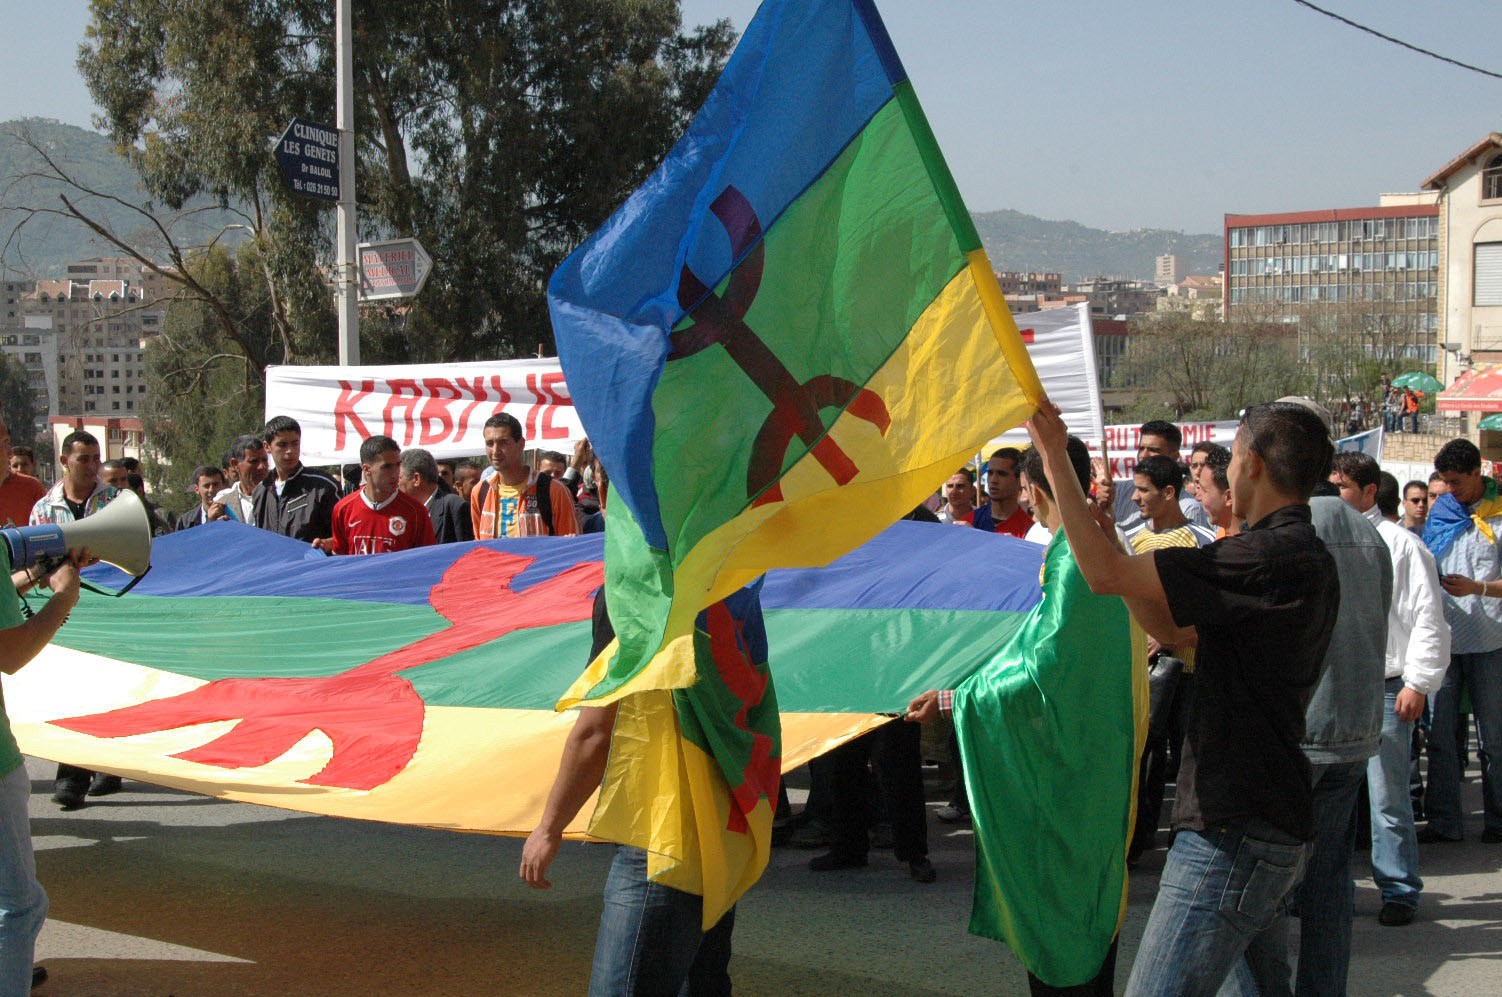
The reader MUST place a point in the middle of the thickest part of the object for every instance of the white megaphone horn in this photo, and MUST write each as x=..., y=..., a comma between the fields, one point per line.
x=119, y=534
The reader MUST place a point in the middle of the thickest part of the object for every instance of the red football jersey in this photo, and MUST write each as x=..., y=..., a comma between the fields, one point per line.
x=399, y=523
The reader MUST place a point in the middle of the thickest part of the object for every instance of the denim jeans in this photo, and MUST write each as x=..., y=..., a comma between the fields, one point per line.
x=651, y=943
x=1327, y=897
x=1395, y=846
x=1221, y=889
x=23, y=902
x=1482, y=675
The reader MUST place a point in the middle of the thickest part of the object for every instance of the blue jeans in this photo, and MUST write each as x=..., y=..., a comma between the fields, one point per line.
x=1395, y=846
x=1482, y=675
x=1220, y=890
x=651, y=943
x=1327, y=897
x=23, y=902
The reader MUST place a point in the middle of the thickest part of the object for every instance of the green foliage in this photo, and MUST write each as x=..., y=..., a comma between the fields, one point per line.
x=202, y=392
x=499, y=132
x=1185, y=368
x=17, y=404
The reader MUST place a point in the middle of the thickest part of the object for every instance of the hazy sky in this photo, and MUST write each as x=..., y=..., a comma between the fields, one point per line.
x=1119, y=115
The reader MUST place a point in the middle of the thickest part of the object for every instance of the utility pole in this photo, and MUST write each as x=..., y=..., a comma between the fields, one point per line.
x=346, y=275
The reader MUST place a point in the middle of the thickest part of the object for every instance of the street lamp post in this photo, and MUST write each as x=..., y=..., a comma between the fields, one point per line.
x=346, y=279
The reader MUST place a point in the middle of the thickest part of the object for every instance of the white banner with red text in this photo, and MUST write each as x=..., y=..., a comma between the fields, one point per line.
x=441, y=408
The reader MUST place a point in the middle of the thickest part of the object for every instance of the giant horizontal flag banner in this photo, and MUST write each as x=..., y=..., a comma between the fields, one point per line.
x=766, y=340
x=389, y=687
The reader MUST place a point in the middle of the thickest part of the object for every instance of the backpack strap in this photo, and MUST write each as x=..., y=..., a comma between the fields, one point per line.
x=545, y=501
x=483, y=488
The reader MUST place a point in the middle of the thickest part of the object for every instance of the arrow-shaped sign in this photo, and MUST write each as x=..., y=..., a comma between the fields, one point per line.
x=394, y=269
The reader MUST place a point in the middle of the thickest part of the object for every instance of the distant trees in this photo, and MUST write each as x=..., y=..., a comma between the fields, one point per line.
x=17, y=403
x=1187, y=368
x=499, y=132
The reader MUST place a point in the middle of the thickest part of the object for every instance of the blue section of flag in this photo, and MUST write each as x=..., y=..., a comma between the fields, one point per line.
x=804, y=81
x=908, y=566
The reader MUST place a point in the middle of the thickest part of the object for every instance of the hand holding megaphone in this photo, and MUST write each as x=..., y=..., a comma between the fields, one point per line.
x=119, y=534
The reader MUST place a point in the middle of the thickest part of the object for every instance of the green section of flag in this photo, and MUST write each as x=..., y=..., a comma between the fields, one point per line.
x=1048, y=737
x=849, y=267
x=938, y=169
x=215, y=637
x=827, y=660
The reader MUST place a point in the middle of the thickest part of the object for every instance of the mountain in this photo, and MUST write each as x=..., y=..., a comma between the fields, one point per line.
x=46, y=243
x=1015, y=241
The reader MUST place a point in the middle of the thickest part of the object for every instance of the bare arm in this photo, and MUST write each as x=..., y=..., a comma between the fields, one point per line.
x=1108, y=570
x=22, y=643
x=579, y=773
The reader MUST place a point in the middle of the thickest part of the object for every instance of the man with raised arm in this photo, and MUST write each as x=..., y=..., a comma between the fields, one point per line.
x=1263, y=604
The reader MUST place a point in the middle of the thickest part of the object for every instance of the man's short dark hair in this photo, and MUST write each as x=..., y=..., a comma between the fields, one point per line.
x=1292, y=442
x=280, y=424
x=208, y=470
x=420, y=462
x=1008, y=453
x=508, y=422
x=1459, y=456
x=1163, y=472
x=452, y=465
x=114, y=465
x=1079, y=459
x=1205, y=447
x=376, y=445
x=1416, y=483
x=1165, y=429
x=1387, y=494
x=1435, y=476
x=78, y=436
x=24, y=451
x=245, y=443
x=967, y=472
x=1359, y=467
x=1219, y=463
x=553, y=455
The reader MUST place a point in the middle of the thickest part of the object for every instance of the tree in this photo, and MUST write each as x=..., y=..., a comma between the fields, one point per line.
x=1186, y=368
x=500, y=132
x=17, y=403
x=201, y=390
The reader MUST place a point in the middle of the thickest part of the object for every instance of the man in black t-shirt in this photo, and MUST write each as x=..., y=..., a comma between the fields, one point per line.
x=1262, y=604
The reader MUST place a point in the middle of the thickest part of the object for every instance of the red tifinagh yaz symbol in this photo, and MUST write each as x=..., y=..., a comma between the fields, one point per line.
x=795, y=406
x=749, y=685
x=373, y=717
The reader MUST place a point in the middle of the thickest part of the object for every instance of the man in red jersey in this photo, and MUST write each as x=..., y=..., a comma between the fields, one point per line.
x=379, y=517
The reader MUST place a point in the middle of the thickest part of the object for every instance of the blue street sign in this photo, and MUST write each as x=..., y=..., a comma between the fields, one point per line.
x=308, y=154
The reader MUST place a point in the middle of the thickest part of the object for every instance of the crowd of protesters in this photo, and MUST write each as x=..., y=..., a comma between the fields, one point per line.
x=1386, y=625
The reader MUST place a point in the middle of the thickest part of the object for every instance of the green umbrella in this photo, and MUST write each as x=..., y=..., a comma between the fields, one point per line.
x=1419, y=381
x=1493, y=421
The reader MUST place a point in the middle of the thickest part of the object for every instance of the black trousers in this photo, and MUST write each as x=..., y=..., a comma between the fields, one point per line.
x=893, y=750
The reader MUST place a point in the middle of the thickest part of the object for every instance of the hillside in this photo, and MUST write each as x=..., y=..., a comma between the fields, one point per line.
x=47, y=243
x=1015, y=241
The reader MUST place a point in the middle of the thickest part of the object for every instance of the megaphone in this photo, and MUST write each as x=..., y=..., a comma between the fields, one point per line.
x=119, y=534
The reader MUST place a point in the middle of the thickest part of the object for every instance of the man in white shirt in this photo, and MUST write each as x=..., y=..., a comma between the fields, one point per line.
x=1418, y=652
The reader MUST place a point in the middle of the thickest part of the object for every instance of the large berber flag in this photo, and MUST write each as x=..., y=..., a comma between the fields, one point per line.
x=765, y=344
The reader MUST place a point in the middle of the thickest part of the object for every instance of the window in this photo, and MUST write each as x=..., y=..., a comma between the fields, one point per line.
x=1488, y=273
x=1491, y=179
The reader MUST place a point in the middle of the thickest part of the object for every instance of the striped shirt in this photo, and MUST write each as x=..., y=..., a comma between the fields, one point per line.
x=1144, y=539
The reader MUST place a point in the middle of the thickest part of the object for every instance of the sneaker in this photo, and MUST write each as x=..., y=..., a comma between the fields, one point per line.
x=104, y=784
x=922, y=870
x=949, y=814
x=831, y=861
x=1395, y=915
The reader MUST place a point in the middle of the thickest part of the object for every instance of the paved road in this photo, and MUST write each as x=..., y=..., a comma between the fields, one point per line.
x=156, y=892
